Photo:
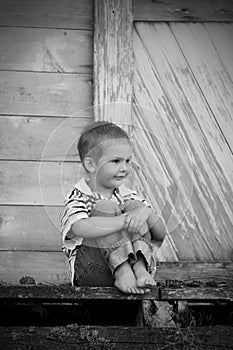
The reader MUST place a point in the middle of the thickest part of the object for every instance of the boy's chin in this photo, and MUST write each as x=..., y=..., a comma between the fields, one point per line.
x=119, y=181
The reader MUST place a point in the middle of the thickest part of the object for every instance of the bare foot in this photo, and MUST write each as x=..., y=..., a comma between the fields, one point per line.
x=125, y=280
x=143, y=278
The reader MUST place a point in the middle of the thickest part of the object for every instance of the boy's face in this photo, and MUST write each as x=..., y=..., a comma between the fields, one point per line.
x=113, y=165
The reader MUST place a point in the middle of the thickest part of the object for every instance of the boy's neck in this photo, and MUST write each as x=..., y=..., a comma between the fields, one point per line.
x=106, y=192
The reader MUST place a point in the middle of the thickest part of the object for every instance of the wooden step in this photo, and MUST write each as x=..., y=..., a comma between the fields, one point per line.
x=222, y=292
x=75, y=337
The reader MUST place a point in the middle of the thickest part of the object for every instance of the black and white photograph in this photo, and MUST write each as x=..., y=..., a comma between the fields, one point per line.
x=116, y=174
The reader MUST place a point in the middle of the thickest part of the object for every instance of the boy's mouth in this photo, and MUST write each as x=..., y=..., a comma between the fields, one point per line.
x=120, y=177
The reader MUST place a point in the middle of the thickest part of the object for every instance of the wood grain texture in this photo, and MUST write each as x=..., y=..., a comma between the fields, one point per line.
x=113, y=61
x=188, y=271
x=221, y=36
x=206, y=61
x=46, y=94
x=75, y=337
x=37, y=183
x=172, y=277
x=69, y=292
x=183, y=10
x=202, y=293
x=188, y=175
x=45, y=74
x=43, y=267
x=47, y=13
x=30, y=228
x=37, y=138
x=47, y=50
x=112, y=293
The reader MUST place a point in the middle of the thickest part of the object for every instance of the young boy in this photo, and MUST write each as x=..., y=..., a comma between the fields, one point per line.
x=106, y=228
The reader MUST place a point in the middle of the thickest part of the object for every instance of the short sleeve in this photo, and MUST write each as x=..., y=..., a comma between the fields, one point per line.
x=75, y=209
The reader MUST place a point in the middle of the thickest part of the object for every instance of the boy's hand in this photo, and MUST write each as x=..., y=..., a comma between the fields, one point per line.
x=135, y=219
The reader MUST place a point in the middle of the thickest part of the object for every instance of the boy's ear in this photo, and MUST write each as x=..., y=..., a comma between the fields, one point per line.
x=89, y=164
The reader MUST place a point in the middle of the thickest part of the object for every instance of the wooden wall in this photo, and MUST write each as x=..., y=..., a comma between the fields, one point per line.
x=46, y=49
x=181, y=122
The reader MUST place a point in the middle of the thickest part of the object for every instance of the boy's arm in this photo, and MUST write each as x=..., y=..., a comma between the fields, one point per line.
x=157, y=227
x=136, y=218
x=97, y=226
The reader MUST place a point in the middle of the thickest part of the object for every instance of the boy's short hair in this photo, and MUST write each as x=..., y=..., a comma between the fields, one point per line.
x=95, y=134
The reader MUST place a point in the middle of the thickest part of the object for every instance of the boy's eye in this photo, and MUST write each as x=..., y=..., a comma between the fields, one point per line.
x=116, y=161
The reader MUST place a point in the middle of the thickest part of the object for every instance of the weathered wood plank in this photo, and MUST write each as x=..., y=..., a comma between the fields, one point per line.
x=47, y=50
x=69, y=292
x=221, y=35
x=107, y=293
x=183, y=10
x=37, y=183
x=207, y=65
x=30, y=228
x=46, y=94
x=47, y=13
x=177, y=280
x=188, y=155
x=201, y=294
x=202, y=272
x=197, y=281
x=75, y=337
x=113, y=61
x=36, y=138
x=42, y=267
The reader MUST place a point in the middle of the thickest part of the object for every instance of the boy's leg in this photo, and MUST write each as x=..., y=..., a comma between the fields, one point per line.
x=144, y=251
x=115, y=249
x=90, y=268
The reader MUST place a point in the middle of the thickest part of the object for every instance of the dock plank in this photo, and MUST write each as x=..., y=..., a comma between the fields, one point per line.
x=75, y=337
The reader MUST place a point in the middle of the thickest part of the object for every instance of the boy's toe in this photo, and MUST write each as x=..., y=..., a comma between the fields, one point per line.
x=130, y=291
x=150, y=283
x=140, y=291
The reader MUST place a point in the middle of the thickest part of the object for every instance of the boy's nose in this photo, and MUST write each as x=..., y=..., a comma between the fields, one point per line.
x=124, y=166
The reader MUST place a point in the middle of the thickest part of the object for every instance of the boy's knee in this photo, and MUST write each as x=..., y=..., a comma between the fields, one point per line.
x=133, y=204
x=107, y=206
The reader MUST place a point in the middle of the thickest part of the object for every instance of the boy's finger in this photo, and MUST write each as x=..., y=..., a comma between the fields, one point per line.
x=135, y=227
x=131, y=226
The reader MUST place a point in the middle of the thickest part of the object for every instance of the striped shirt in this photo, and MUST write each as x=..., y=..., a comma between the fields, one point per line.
x=79, y=204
